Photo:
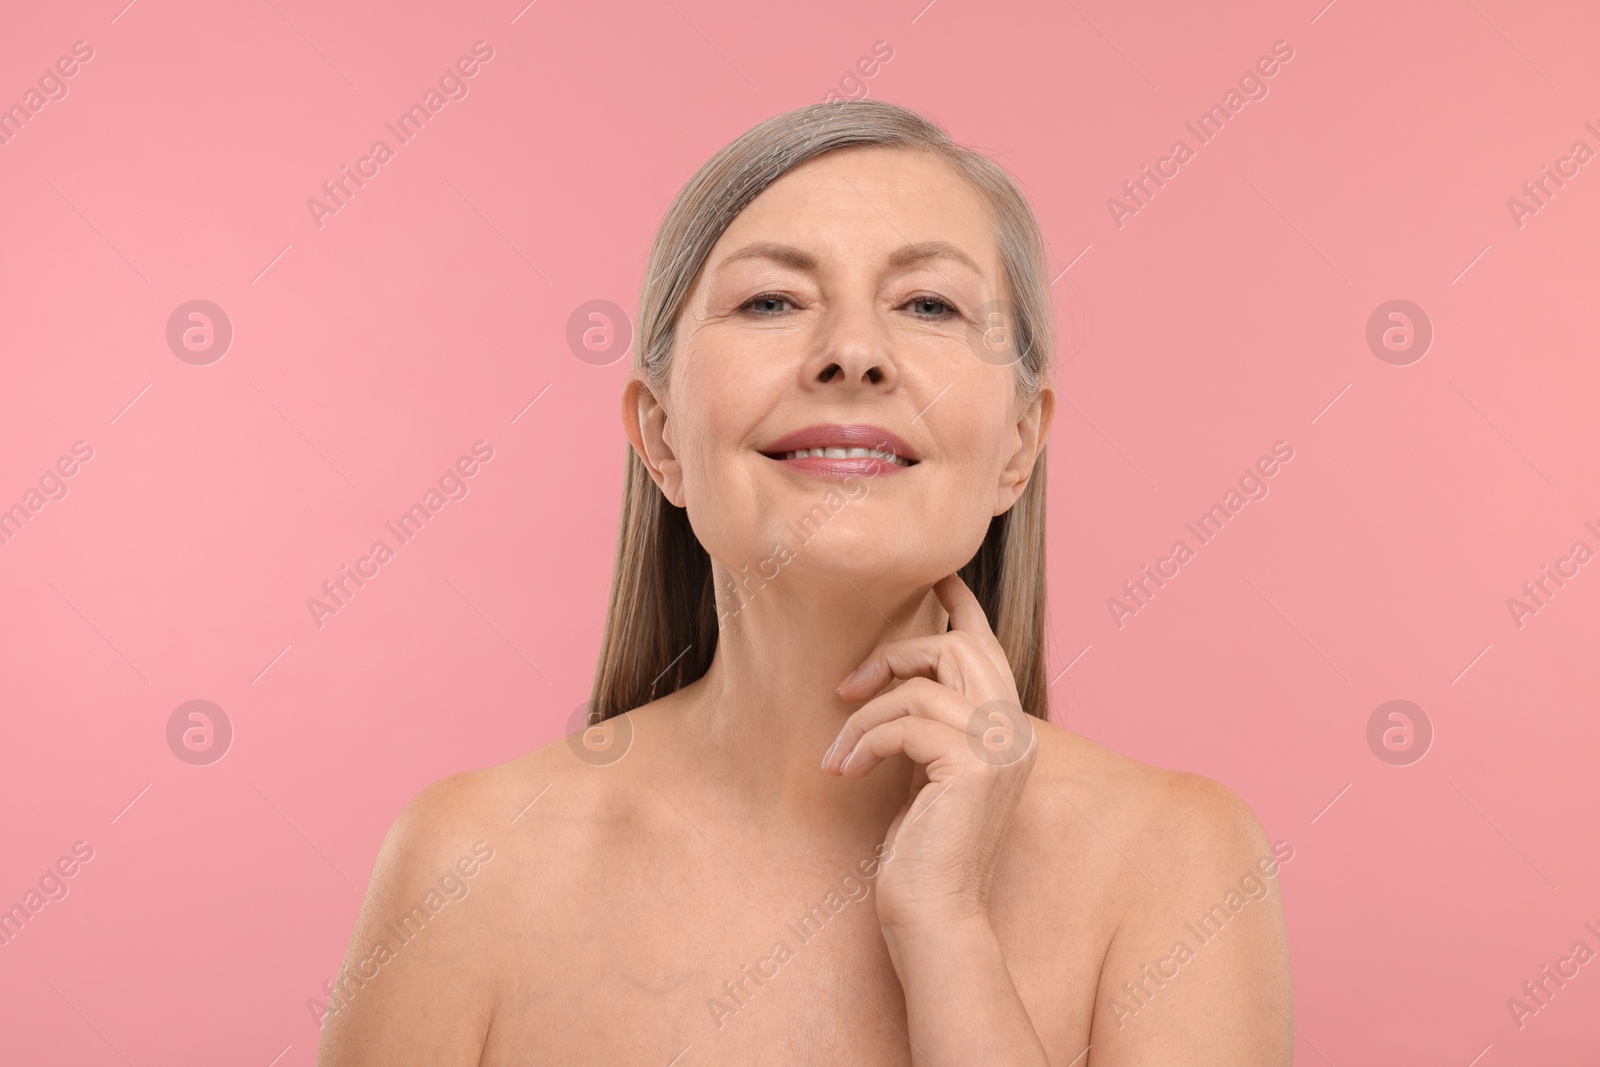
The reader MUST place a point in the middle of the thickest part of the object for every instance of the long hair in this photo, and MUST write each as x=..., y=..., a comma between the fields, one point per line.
x=661, y=626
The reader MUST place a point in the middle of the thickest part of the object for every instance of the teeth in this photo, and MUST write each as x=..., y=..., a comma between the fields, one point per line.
x=848, y=453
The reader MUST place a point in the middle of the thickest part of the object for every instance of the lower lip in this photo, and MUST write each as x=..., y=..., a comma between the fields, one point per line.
x=858, y=466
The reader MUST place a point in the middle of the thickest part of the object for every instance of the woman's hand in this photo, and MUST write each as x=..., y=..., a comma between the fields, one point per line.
x=956, y=713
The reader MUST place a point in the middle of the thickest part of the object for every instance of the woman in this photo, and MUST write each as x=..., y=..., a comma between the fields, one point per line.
x=820, y=814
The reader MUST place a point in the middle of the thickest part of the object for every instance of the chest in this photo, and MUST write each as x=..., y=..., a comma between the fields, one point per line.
x=711, y=964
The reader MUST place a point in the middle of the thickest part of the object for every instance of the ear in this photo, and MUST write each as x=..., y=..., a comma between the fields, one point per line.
x=1033, y=428
x=644, y=418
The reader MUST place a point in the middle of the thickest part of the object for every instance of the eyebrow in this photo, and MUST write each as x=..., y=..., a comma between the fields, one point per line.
x=903, y=256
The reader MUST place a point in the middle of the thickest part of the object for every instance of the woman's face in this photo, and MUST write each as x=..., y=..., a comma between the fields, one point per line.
x=816, y=307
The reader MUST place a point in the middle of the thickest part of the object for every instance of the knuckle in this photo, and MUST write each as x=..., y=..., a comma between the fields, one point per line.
x=965, y=639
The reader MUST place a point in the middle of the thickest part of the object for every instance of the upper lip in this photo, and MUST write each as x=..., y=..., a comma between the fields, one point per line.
x=834, y=435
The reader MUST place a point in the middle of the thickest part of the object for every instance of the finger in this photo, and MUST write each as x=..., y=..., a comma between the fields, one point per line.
x=952, y=659
x=920, y=697
x=966, y=612
x=921, y=739
x=919, y=778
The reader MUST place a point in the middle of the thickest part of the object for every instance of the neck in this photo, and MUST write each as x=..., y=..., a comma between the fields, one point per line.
x=766, y=710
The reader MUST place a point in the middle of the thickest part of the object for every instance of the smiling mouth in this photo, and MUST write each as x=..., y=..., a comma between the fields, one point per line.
x=844, y=453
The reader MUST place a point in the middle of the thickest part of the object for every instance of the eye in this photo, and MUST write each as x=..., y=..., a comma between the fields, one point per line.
x=764, y=298
x=922, y=299
x=940, y=310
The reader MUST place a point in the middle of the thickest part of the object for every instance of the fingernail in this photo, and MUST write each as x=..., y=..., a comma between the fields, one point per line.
x=828, y=755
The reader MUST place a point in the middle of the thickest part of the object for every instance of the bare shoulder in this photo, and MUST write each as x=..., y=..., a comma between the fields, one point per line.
x=582, y=776
x=419, y=983
x=1199, y=929
x=1173, y=818
x=410, y=989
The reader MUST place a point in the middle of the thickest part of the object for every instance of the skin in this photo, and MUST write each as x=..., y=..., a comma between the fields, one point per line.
x=659, y=889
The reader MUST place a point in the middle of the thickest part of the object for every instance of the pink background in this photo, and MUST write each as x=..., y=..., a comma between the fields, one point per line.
x=368, y=354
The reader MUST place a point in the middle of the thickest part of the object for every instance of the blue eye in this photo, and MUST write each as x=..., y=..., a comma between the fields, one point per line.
x=929, y=298
x=764, y=298
x=946, y=310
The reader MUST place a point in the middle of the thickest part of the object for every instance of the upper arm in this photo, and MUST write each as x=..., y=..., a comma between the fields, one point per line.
x=1198, y=970
x=415, y=986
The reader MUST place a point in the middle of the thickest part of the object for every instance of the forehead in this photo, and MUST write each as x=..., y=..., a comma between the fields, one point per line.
x=873, y=200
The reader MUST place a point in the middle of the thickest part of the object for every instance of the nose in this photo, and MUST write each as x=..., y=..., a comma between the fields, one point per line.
x=853, y=350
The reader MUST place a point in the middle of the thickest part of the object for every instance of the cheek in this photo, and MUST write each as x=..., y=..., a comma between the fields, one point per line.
x=707, y=454
x=963, y=495
x=971, y=443
x=972, y=455
x=717, y=413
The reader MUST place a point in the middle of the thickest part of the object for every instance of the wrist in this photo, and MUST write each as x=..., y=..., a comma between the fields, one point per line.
x=942, y=934
x=962, y=1005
